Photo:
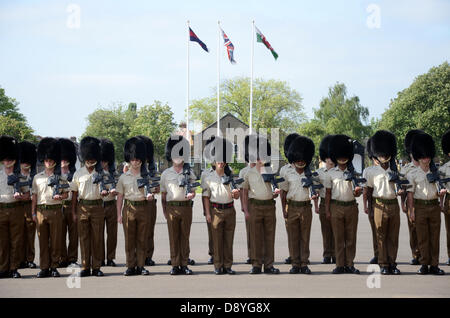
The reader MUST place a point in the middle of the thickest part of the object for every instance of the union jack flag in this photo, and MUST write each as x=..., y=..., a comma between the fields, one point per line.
x=229, y=46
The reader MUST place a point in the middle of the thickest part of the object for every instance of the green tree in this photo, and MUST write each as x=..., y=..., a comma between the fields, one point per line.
x=9, y=107
x=425, y=104
x=156, y=122
x=113, y=123
x=275, y=104
x=16, y=128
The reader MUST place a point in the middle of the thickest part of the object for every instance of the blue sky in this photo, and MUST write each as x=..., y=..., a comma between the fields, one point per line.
x=135, y=51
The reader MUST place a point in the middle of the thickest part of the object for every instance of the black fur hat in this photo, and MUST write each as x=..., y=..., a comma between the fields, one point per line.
x=409, y=137
x=49, y=148
x=287, y=141
x=369, y=148
x=257, y=147
x=218, y=149
x=68, y=152
x=9, y=148
x=423, y=147
x=28, y=154
x=301, y=149
x=107, y=150
x=90, y=149
x=323, y=148
x=149, y=148
x=446, y=143
x=180, y=146
x=341, y=146
x=135, y=149
x=383, y=144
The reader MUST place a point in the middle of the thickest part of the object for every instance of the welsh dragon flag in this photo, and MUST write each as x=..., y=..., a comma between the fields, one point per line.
x=261, y=38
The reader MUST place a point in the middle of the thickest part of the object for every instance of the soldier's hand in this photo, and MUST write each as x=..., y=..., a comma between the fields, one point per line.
x=277, y=191
x=149, y=197
x=235, y=193
x=208, y=218
x=57, y=197
x=315, y=196
x=400, y=192
x=34, y=218
x=104, y=193
x=285, y=214
x=317, y=210
x=404, y=208
x=113, y=192
x=442, y=192
x=17, y=196
x=328, y=215
x=366, y=211
x=247, y=215
x=190, y=195
x=412, y=217
x=119, y=219
x=357, y=192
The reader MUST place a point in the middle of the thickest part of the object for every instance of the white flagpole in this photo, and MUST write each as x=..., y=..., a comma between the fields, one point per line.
x=187, y=87
x=218, y=79
x=251, y=77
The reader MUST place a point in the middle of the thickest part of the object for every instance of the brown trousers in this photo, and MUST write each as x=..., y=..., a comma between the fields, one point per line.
x=69, y=253
x=11, y=237
x=29, y=234
x=179, y=224
x=428, y=228
x=49, y=229
x=210, y=240
x=110, y=224
x=249, y=238
x=412, y=236
x=299, y=228
x=151, y=208
x=327, y=231
x=135, y=221
x=447, y=221
x=262, y=228
x=387, y=222
x=223, y=224
x=90, y=231
x=373, y=228
x=344, y=220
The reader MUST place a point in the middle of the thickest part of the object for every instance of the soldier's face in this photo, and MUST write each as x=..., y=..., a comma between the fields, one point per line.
x=300, y=164
x=177, y=161
x=135, y=163
x=90, y=163
x=220, y=165
x=64, y=163
x=25, y=166
x=8, y=163
x=425, y=161
x=342, y=161
x=384, y=159
x=105, y=165
x=49, y=163
x=329, y=163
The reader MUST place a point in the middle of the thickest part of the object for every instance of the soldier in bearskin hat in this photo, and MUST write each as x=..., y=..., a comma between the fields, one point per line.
x=329, y=256
x=445, y=202
x=48, y=194
x=367, y=202
x=219, y=207
x=297, y=203
x=424, y=205
x=109, y=202
x=87, y=207
x=11, y=218
x=176, y=197
x=69, y=252
x=135, y=216
x=405, y=170
x=28, y=159
x=382, y=193
x=283, y=170
x=259, y=204
x=340, y=203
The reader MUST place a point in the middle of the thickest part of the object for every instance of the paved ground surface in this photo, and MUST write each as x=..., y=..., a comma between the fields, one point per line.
x=205, y=284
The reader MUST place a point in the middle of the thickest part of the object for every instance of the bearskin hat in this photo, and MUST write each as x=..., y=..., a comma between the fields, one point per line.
x=207, y=151
x=257, y=147
x=446, y=143
x=383, y=144
x=107, y=151
x=135, y=149
x=9, y=148
x=323, y=148
x=409, y=137
x=28, y=154
x=68, y=152
x=341, y=146
x=301, y=149
x=90, y=149
x=218, y=149
x=49, y=148
x=369, y=148
x=287, y=141
x=422, y=146
x=177, y=146
x=149, y=148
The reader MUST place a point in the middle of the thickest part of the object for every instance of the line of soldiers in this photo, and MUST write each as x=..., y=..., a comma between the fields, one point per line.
x=61, y=201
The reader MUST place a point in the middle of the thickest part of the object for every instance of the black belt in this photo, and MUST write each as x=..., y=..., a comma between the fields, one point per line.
x=298, y=203
x=343, y=203
x=108, y=203
x=90, y=202
x=136, y=203
x=386, y=201
x=11, y=205
x=222, y=206
x=180, y=203
x=262, y=202
x=49, y=206
x=426, y=202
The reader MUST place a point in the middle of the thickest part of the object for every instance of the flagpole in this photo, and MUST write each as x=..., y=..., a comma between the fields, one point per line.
x=218, y=79
x=251, y=76
x=187, y=87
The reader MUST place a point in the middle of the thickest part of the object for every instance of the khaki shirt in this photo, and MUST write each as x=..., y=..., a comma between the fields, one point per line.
x=216, y=190
x=43, y=192
x=170, y=180
x=257, y=188
x=69, y=197
x=283, y=172
x=109, y=197
x=293, y=186
x=406, y=169
x=322, y=173
x=128, y=187
x=203, y=176
x=378, y=179
x=243, y=173
x=83, y=183
x=445, y=169
x=6, y=191
x=423, y=190
x=341, y=189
